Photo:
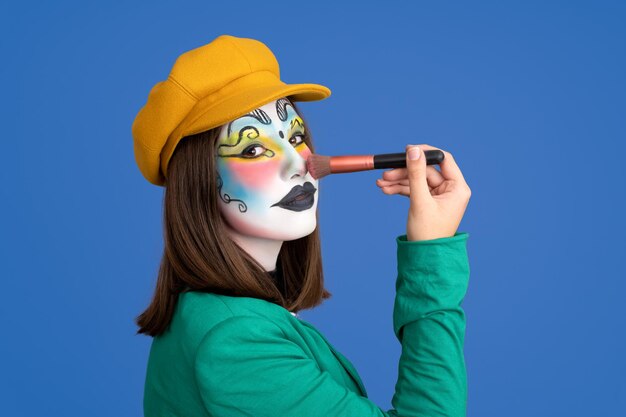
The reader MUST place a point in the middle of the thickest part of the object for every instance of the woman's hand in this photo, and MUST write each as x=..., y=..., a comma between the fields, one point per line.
x=438, y=199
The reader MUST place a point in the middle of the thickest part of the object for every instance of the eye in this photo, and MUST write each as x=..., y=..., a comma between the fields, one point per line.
x=295, y=141
x=252, y=152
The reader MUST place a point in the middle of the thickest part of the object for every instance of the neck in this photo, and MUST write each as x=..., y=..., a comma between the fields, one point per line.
x=264, y=251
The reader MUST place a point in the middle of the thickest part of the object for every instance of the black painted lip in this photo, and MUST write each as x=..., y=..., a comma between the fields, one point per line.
x=288, y=202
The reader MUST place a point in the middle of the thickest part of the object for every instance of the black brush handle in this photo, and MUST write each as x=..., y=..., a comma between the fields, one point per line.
x=398, y=160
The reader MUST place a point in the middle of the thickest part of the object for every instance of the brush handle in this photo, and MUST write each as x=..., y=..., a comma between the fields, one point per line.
x=398, y=160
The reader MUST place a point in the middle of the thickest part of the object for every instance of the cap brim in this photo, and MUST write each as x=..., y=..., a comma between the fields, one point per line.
x=247, y=100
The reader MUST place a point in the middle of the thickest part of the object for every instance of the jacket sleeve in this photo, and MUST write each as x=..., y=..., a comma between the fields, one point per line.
x=429, y=322
x=245, y=366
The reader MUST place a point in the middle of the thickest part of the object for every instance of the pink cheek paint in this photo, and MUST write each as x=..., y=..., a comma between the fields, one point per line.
x=255, y=174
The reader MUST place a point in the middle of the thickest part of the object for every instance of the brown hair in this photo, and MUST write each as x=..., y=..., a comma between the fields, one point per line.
x=199, y=255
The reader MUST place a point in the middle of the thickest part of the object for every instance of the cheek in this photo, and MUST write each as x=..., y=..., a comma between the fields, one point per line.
x=254, y=174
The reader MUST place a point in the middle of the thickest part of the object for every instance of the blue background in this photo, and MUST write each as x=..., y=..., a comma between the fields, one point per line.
x=529, y=96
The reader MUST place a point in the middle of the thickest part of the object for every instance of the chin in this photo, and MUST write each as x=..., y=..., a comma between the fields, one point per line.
x=286, y=234
x=287, y=231
x=282, y=228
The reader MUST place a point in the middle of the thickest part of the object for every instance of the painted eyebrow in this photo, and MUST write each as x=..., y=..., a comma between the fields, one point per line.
x=295, y=120
x=258, y=114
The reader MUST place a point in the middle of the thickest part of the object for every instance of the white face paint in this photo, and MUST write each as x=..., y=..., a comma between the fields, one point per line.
x=261, y=161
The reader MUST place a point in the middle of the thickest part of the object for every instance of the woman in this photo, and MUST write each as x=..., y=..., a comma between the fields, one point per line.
x=242, y=254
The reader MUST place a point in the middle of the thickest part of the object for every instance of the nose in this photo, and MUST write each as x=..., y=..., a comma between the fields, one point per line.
x=294, y=165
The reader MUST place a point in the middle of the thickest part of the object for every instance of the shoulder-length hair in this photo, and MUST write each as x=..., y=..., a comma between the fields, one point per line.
x=199, y=255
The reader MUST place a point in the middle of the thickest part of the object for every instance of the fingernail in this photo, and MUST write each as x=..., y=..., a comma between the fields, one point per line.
x=414, y=153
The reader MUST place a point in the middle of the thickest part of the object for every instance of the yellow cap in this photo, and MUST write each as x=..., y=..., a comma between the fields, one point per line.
x=207, y=87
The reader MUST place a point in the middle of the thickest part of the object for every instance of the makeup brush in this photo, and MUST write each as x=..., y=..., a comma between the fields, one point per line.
x=319, y=165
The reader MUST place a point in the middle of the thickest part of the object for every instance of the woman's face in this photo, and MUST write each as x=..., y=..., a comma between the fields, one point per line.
x=261, y=163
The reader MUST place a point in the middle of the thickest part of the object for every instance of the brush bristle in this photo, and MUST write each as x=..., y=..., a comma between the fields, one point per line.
x=318, y=165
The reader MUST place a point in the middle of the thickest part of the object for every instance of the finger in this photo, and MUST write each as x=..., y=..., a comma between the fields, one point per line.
x=385, y=183
x=395, y=174
x=416, y=169
x=397, y=189
x=382, y=184
x=431, y=184
x=433, y=177
x=449, y=168
x=400, y=173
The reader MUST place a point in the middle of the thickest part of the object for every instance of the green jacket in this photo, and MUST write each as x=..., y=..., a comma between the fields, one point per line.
x=241, y=356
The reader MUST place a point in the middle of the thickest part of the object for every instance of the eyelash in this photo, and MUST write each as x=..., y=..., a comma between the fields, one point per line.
x=256, y=145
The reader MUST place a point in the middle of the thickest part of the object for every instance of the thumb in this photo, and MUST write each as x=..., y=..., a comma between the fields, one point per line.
x=416, y=171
